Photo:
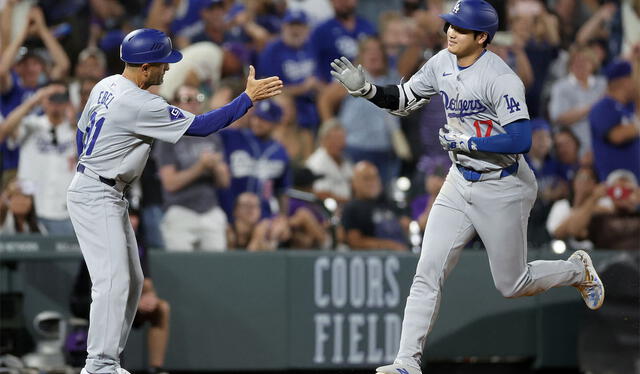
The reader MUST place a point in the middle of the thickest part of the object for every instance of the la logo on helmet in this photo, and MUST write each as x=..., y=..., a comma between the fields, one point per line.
x=456, y=8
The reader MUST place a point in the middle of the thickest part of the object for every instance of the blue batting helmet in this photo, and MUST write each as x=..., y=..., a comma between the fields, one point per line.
x=148, y=46
x=476, y=15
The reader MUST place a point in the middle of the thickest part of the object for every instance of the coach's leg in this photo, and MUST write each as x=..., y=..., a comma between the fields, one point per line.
x=135, y=284
x=500, y=215
x=98, y=214
x=448, y=230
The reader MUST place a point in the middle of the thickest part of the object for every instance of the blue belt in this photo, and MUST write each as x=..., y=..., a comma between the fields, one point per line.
x=107, y=181
x=474, y=176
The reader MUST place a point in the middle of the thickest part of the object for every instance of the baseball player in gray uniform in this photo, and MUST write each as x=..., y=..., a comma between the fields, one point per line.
x=115, y=132
x=489, y=190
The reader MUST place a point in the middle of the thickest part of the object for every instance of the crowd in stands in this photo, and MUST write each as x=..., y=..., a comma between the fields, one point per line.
x=315, y=168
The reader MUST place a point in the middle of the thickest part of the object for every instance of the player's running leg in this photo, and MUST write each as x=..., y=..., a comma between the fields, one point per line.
x=500, y=214
x=448, y=230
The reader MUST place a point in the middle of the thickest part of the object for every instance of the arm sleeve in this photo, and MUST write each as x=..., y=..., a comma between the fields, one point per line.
x=218, y=119
x=159, y=120
x=517, y=139
x=507, y=95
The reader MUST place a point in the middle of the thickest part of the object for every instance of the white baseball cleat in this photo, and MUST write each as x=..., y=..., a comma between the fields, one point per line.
x=397, y=369
x=591, y=289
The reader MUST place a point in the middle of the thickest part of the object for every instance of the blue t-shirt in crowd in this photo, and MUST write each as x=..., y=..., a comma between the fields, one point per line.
x=330, y=40
x=293, y=66
x=604, y=116
x=8, y=102
x=551, y=172
x=257, y=165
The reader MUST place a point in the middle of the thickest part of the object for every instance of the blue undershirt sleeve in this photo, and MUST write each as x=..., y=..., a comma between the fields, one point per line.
x=212, y=121
x=516, y=140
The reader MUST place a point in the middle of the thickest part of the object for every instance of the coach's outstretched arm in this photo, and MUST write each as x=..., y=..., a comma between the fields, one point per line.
x=398, y=99
x=217, y=119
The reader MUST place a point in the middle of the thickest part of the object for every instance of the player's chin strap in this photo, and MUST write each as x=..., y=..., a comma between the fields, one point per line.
x=408, y=101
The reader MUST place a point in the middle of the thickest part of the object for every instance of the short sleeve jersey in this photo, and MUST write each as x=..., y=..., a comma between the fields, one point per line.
x=479, y=100
x=120, y=122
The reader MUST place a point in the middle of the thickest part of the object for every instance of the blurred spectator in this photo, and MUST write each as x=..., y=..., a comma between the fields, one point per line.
x=179, y=18
x=370, y=130
x=249, y=231
x=85, y=86
x=538, y=30
x=291, y=58
x=258, y=163
x=569, y=218
x=47, y=153
x=339, y=36
x=307, y=220
x=436, y=170
x=630, y=10
x=317, y=10
x=201, y=67
x=395, y=33
x=548, y=171
x=297, y=140
x=368, y=221
x=567, y=145
x=572, y=97
x=599, y=26
x=621, y=228
x=91, y=66
x=214, y=26
x=615, y=124
x=21, y=77
x=549, y=176
x=151, y=203
x=510, y=47
x=18, y=211
x=190, y=171
x=151, y=308
x=330, y=161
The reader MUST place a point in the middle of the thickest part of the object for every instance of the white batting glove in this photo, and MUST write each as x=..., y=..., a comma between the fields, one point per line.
x=452, y=140
x=352, y=78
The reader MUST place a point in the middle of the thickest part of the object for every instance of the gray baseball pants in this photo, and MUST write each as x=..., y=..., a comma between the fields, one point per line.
x=101, y=221
x=498, y=211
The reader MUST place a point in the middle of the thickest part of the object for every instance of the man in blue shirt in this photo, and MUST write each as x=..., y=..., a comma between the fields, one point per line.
x=291, y=58
x=257, y=163
x=339, y=36
x=615, y=126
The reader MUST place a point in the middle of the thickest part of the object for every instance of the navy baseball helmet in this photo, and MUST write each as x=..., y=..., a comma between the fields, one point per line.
x=476, y=15
x=148, y=46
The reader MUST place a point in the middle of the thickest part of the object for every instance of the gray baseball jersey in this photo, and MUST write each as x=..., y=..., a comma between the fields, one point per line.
x=119, y=124
x=479, y=101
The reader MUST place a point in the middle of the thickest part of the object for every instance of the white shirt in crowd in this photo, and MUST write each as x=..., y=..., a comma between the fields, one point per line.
x=48, y=160
x=336, y=178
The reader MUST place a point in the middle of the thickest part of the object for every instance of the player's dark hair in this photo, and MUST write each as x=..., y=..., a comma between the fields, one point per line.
x=132, y=65
x=486, y=42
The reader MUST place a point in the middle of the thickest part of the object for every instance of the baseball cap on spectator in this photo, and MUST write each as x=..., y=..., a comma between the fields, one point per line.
x=617, y=69
x=112, y=40
x=539, y=124
x=25, y=53
x=618, y=174
x=268, y=111
x=295, y=16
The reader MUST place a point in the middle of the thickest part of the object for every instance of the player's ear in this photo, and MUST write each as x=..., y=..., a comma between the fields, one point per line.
x=483, y=37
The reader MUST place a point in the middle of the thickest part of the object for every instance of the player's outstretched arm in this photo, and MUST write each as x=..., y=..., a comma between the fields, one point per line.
x=260, y=89
x=217, y=119
x=398, y=99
